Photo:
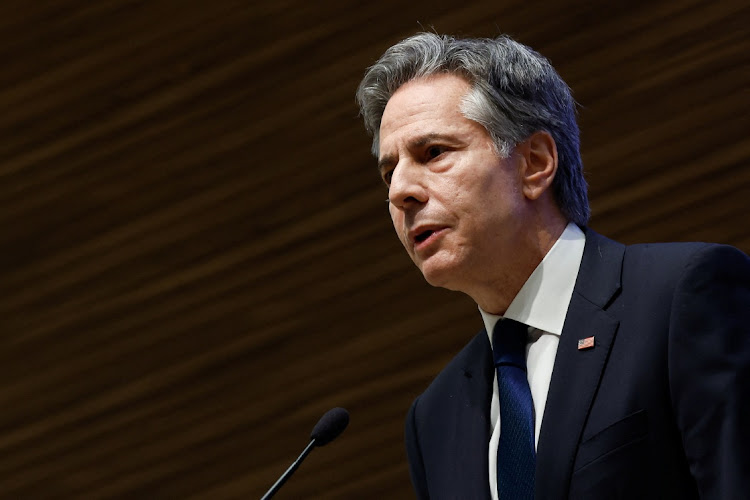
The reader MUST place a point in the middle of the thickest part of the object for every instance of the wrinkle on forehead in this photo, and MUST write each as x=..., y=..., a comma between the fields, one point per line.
x=428, y=111
x=422, y=109
x=424, y=95
x=418, y=141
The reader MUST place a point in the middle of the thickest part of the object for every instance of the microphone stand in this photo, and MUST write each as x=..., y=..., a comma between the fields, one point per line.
x=280, y=482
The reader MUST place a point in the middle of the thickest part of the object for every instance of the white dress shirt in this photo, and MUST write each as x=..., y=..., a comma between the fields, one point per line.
x=542, y=304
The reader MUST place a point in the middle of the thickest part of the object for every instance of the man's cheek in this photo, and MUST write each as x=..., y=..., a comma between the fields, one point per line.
x=398, y=223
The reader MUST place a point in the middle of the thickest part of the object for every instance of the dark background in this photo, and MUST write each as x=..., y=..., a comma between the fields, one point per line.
x=196, y=259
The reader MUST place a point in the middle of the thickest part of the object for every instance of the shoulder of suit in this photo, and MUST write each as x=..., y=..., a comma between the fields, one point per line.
x=682, y=253
x=676, y=255
x=664, y=265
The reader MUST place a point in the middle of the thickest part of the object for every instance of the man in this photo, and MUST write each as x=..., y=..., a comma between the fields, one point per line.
x=604, y=371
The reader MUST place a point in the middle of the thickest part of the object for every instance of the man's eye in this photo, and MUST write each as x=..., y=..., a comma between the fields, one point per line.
x=434, y=151
x=387, y=176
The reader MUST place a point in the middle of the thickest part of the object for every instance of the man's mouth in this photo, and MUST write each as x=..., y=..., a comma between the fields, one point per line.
x=423, y=235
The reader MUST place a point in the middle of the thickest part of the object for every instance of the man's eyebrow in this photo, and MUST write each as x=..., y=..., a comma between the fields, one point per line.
x=433, y=137
x=417, y=142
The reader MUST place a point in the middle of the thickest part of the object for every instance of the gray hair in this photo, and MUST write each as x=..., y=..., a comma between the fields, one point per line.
x=515, y=92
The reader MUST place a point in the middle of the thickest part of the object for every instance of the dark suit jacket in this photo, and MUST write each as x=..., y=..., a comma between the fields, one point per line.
x=658, y=408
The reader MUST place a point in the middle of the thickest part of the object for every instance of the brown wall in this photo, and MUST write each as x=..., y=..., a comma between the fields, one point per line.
x=195, y=257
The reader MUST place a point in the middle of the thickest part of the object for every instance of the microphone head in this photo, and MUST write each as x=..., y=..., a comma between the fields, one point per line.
x=330, y=425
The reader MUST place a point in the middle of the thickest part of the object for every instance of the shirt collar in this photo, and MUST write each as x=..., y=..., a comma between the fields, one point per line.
x=543, y=300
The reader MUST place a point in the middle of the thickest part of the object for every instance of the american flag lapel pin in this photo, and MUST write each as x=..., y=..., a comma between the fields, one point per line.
x=586, y=343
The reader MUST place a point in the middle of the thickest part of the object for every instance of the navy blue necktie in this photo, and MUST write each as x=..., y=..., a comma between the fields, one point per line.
x=516, y=457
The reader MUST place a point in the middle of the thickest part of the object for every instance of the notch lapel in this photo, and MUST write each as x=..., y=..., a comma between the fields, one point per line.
x=474, y=413
x=452, y=424
x=577, y=373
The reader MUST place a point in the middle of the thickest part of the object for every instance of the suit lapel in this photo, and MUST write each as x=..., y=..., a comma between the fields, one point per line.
x=452, y=425
x=576, y=373
x=473, y=414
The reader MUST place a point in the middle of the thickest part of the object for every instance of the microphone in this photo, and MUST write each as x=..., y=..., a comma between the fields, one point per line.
x=328, y=428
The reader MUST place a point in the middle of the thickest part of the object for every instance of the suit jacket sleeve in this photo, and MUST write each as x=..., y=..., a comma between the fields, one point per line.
x=709, y=366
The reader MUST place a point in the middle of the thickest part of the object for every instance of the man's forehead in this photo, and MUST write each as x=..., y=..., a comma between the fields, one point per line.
x=445, y=90
x=422, y=109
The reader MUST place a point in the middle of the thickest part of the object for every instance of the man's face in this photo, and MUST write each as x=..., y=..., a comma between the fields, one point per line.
x=457, y=207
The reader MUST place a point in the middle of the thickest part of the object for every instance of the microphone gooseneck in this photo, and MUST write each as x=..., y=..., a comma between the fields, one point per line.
x=328, y=428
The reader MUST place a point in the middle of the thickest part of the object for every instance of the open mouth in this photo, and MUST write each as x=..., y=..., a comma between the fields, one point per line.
x=423, y=235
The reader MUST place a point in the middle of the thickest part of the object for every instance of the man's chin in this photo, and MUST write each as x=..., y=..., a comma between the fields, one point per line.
x=438, y=274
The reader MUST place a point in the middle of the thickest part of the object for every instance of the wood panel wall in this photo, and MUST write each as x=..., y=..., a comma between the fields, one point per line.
x=195, y=257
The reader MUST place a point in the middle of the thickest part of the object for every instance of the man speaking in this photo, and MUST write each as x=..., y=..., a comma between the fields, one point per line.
x=604, y=371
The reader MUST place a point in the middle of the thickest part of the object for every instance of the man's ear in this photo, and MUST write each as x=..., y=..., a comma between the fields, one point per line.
x=539, y=163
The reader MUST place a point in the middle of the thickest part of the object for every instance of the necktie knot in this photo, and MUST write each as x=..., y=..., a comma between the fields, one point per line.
x=509, y=343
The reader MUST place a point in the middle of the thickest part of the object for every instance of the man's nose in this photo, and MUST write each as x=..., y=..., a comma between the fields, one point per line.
x=407, y=186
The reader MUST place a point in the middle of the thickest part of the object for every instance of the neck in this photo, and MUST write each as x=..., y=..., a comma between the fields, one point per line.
x=495, y=296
